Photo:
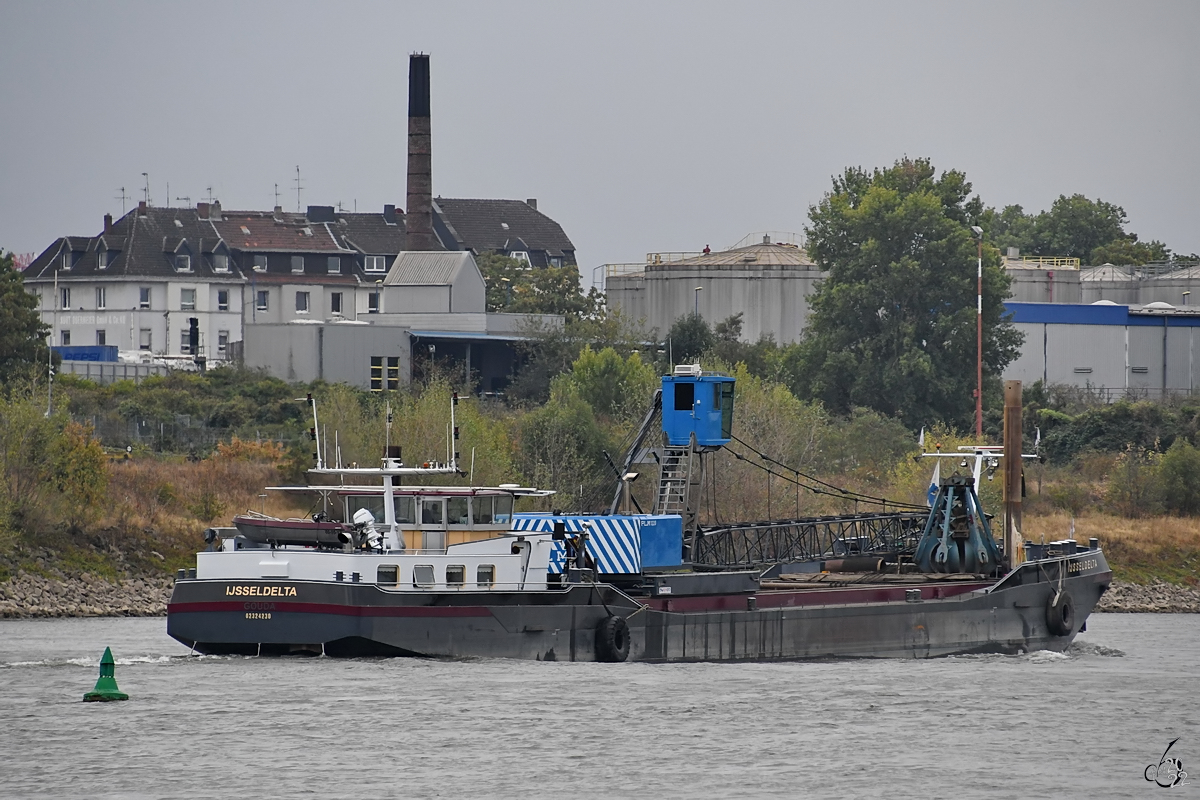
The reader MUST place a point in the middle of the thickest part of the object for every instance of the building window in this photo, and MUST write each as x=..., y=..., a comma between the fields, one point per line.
x=65, y=338
x=185, y=341
x=456, y=575
x=301, y=302
x=187, y=299
x=373, y=302
x=485, y=575
x=556, y=261
x=222, y=299
x=260, y=263
x=101, y=297
x=376, y=373
x=183, y=263
x=393, y=373
x=64, y=297
x=261, y=301
x=220, y=262
x=335, y=303
x=102, y=259
x=101, y=338
x=66, y=262
x=144, y=339
x=222, y=341
x=520, y=255
x=334, y=265
x=376, y=263
x=297, y=264
x=144, y=297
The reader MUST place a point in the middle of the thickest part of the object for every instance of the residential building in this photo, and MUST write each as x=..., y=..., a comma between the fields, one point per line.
x=506, y=227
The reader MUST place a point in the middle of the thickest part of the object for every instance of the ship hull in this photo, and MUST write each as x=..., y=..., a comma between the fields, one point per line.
x=273, y=617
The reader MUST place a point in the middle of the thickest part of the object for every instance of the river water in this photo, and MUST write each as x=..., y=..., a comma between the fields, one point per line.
x=1082, y=724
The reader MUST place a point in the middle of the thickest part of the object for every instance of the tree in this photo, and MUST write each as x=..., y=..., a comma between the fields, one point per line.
x=1130, y=251
x=1075, y=226
x=613, y=386
x=22, y=333
x=516, y=288
x=893, y=327
x=690, y=337
x=1179, y=477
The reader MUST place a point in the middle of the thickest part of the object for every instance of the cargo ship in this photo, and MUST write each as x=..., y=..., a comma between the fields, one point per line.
x=395, y=569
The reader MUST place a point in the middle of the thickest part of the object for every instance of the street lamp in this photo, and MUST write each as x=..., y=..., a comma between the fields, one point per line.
x=978, y=231
x=698, y=290
x=507, y=282
x=378, y=289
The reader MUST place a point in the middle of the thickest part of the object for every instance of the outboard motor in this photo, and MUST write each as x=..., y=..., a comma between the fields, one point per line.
x=957, y=537
x=364, y=526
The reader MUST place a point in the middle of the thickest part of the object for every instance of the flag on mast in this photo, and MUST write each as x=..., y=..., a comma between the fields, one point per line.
x=934, y=482
x=921, y=438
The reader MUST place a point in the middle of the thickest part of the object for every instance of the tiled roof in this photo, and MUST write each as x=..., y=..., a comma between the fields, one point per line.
x=263, y=232
x=488, y=225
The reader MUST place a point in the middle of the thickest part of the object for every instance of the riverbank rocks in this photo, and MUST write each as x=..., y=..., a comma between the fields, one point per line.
x=1159, y=596
x=29, y=595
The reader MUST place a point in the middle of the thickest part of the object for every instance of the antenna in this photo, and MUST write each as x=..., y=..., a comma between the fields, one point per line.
x=122, y=197
x=168, y=194
x=146, y=190
x=298, y=187
x=210, y=197
x=387, y=442
x=277, y=194
x=187, y=201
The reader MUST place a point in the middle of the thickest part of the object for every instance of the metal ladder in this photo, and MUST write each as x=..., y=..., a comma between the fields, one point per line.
x=673, y=480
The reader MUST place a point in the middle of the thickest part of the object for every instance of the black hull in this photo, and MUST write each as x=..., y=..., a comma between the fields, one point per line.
x=280, y=617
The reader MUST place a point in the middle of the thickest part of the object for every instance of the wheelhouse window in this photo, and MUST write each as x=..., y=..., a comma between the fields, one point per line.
x=423, y=576
x=456, y=575
x=504, y=507
x=456, y=511
x=431, y=512
x=297, y=264
x=481, y=510
x=187, y=299
x=387, y=574
x=485, y=576
x=406, y=510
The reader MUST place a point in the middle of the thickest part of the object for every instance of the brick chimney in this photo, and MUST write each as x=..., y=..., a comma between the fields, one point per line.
x=108, y=223
x=420, y=169
x=202, y=211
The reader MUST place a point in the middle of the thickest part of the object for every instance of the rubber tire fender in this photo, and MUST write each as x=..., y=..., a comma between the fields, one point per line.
x=1060, y=614
x=612, y=640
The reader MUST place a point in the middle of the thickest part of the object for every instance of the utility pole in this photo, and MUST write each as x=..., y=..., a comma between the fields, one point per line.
x=978, y=231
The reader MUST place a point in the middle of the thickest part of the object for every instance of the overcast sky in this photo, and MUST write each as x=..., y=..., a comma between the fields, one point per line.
x=638, y=126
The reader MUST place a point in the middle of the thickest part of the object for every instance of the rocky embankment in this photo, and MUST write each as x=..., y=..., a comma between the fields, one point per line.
x=29, y=595
x=1159, y=596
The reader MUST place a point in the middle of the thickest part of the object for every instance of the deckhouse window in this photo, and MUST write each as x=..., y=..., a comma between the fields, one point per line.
x=406, y=510
x=456, y=575
x=456, y=511
x=423, y=576
x=387, y=574
x=485, y=576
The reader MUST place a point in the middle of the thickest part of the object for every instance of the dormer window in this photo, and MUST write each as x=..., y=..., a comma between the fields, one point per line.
x=297, y=264
x=220, y=262
x=183, y=262
x=520, y=255
x=334, y=265
x=260, y=263
x=102, y=259
x=66, y=262
x=375, y=264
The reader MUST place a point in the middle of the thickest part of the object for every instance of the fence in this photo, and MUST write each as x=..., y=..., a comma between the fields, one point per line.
x=106, y=372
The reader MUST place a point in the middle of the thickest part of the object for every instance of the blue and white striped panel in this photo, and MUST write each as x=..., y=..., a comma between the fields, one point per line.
x=614, y=542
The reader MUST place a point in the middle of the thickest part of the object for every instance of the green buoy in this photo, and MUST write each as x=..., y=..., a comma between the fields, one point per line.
x=106, y=685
